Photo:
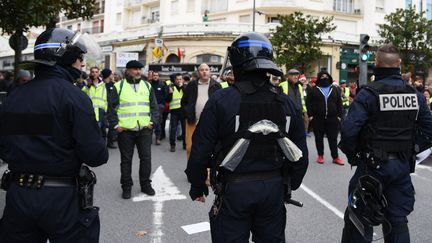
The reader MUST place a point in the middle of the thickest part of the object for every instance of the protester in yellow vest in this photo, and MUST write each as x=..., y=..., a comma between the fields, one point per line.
x=293, y=88
x=345, y=94
x=176, y=111
x=102, y=99
x=137, y=111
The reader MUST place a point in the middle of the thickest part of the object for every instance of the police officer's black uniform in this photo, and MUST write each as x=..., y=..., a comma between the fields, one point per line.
x=253, y=194
x=49, y=129
x=378, y=134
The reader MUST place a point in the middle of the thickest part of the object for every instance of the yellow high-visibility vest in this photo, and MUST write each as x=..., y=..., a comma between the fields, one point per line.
x=176, y=99
x=98, y=96
x=134, y=107
x=285, y=87
x=345, y=100
x=224, y=85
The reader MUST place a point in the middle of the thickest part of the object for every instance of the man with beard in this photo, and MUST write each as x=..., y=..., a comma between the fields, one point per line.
x=137, y=113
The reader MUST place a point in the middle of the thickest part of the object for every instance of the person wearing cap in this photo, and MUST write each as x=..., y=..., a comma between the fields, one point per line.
x=49, y=129
x=137, y=112
x=293, y=88
x=324, y=105
x=345, y=94
x=108, y=78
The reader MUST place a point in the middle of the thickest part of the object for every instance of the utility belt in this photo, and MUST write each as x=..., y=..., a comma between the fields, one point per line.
x=252, y=176
x=85, y=182
x=35, y=181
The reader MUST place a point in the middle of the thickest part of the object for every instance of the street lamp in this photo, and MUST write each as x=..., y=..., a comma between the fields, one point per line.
x=253, y=15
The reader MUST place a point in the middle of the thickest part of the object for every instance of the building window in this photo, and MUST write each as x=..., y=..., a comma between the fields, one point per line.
x=273, y=20
x=79, y=27
x=174, y=7
x=190, y=6
x=101, y=28
x=379, y=5
x=69, y=27
x=102, y=6
x=135, y=17
x=245, y=18
x=209, y=58
x=95, y=27
x=154, y=15
x=213, y=6
x=118, y=18
x=345, y=6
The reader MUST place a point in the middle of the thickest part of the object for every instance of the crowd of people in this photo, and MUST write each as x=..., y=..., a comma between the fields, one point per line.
x=241, y=132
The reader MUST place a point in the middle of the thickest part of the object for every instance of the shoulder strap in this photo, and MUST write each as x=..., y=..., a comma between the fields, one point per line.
x=121, y=87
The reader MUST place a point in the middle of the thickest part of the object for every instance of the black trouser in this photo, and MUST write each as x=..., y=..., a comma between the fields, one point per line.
x=329, y=127
x=398, y=189
x=176, y=117
x=126, y=142
x=251, y=206
x=34, y=215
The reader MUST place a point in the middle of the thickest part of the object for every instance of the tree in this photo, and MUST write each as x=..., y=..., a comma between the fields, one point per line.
x=24, y=14
x=297, y=40
x=411, y=32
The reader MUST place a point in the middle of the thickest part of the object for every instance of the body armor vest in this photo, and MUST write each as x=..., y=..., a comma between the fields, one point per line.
x=391, y=128
x=264, y=104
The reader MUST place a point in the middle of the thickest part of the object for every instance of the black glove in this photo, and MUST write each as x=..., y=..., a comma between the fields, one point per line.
x=197, y=191
x=353, y=159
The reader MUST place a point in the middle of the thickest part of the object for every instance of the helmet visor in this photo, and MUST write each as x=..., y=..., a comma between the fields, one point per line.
x=87, y=44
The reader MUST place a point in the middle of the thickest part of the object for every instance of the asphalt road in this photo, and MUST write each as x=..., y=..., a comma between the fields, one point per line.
x=324, y=194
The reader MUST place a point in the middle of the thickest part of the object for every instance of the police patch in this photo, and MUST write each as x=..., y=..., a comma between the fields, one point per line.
x=398, y=102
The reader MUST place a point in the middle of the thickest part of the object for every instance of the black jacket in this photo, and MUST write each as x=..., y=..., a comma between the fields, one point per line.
x=160, y=90
x=319, y=108
x=190, y=96
x=49, y=128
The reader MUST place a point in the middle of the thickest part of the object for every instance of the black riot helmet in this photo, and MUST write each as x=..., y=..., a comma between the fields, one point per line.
x=62, y=47
x=252, y=51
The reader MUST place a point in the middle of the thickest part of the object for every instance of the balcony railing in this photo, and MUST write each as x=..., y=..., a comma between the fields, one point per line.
x=132, y=3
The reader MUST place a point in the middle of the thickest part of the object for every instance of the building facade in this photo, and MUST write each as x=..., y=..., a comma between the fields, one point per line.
x=195, y=31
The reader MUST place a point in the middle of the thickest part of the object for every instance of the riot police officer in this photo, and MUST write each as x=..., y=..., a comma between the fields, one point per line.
x=250, y=196
x=49, y=129
x=378, y=137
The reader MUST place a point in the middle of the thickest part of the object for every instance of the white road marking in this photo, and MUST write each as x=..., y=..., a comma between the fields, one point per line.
x=165, y=191
x=322, y=201
x=424, y=167
x=420, y=177
x=196, y=228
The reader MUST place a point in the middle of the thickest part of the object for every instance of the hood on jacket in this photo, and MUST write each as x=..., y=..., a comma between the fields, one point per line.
x=324, y=82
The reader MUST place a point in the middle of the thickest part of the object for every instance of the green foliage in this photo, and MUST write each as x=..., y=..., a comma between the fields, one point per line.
x=20, y=15
x=297, y=41
x=411, y=32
